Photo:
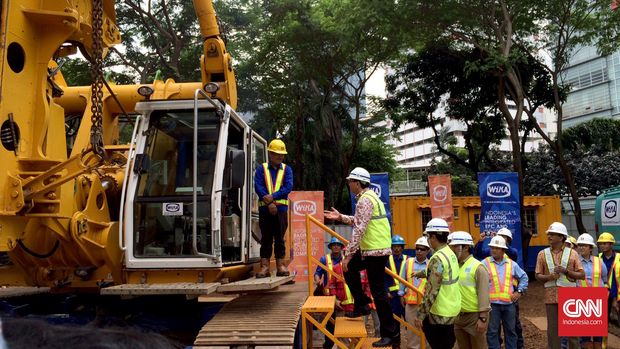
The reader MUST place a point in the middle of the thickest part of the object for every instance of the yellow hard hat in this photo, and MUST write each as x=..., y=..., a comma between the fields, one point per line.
x=573, y=241
x=277, y=146
x=606, y=237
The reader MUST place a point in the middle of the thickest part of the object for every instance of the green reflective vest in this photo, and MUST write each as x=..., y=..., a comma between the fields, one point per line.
x=448, y=301
x=378, y=235
x=467, y=285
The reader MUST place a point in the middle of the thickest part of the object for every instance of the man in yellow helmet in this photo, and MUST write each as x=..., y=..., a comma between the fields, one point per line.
x=273, y=181
x=611, y=259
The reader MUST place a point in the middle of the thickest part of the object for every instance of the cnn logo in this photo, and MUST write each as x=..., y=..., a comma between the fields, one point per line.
x=582, y=311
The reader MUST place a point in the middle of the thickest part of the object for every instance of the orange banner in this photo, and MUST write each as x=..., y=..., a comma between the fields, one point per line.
x=440, y=192
x=300, y=204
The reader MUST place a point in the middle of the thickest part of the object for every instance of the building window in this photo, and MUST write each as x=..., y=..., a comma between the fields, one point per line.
x=531, y=220
x=426, y=217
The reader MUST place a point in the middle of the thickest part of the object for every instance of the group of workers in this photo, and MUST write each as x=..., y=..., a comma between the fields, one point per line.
x=465, y=293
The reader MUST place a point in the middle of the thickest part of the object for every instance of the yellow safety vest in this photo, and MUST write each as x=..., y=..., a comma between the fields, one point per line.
x=377, y=235
x=563, y=280
x=271, y=188
x=411, y=297
x=501, y=287
x=615, y=266
x=597, y=270
x=467, y=285
x=393, y=268
x=330, y=266
x=448, y=301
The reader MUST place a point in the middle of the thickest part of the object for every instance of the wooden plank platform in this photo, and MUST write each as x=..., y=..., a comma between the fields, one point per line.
x=17, y=291
x=255, y=319
x=180, y=288
x=254, y=284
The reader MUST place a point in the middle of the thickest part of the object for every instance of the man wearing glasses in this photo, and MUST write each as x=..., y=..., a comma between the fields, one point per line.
x=409, y=298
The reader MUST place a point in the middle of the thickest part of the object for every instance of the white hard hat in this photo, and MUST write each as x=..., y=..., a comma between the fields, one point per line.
x=423, y=242
x=461, y=238
x=505, y=232
x=558, y=228
x=498, y=241
x=585, y=239
x=437, y=225
x=450, y=237
x=359, y=174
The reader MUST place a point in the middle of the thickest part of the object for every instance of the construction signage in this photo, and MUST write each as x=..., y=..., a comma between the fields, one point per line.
x=300, y=204
x=499, y=197
x=440, y=190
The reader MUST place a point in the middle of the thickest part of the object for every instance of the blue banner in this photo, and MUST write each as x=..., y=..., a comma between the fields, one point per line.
x=379, y=182
x=500, y=207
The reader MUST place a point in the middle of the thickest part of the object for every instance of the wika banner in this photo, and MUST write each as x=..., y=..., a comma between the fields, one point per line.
x=380, y=184
x=440, y=190
x=300, y=204
x=499, y=196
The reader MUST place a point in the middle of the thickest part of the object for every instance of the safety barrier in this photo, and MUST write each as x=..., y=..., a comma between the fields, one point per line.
x=307, y=313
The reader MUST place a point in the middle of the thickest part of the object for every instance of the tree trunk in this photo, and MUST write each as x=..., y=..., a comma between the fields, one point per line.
x=570, y=184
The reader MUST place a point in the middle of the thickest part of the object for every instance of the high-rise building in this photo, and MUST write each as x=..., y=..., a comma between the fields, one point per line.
x=595, y=86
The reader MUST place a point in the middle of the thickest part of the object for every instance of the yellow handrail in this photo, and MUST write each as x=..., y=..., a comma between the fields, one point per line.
x=311, y=260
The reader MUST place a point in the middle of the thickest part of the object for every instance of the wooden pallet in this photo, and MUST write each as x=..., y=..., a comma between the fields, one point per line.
x=180, y=288
x=17, y=291
x=254, y=284
x=268, y=319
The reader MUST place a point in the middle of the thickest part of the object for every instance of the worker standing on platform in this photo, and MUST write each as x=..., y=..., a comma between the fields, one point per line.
x=557, y=266
x=470, y=326
x=503, y=272
x=369, y=249
x=596, y=276
x=396, y=264
x=411, y=299
x=273, y=181
x=442, y=299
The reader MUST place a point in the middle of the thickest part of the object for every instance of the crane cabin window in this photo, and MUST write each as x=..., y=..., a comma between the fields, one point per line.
x=163, y=203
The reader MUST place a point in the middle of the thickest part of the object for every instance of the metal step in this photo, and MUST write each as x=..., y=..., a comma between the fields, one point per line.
x=17, y=291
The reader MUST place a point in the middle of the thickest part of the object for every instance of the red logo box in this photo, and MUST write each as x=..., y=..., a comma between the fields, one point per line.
x=582, y=311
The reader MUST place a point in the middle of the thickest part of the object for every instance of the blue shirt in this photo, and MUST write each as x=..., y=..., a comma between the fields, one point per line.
x=320, y=272
x=517, y=273
x=417, y=266
x=261, y=187
x=613, y=290
x=587, y=268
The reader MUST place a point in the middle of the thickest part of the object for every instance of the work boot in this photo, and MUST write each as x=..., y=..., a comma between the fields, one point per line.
x=357, y=312
x=264, y=269
x=281, y=268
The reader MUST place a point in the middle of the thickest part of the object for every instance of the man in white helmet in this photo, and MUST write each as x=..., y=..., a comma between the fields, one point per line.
x=503, y=272
x=470, y=326
x=409, y=298
x=369, y=249
x=442, y=298
x=557, y=266
x=596, y=276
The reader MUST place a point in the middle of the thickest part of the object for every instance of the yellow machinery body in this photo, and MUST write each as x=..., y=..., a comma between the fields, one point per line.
x=58, y=211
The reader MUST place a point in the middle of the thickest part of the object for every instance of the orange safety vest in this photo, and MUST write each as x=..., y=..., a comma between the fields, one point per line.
x=271, y=187
x=597, y=271
x=411, y=297
x=393, y=268
x=330, y=266
x=501, y=287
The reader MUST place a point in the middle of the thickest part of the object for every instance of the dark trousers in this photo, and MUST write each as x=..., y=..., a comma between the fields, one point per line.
x=272, y=229
x=375, y=269
x=438, y=336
